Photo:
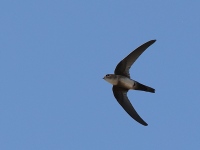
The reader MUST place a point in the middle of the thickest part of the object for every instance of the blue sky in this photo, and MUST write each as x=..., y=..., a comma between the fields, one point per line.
x=54, y=54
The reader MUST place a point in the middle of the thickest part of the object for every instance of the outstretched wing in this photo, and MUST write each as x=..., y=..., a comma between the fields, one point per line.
x=124, y=65
x=121, y=96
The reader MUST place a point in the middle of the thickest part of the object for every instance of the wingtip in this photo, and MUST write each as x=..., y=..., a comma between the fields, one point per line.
x=144, y=123
x=153, y=40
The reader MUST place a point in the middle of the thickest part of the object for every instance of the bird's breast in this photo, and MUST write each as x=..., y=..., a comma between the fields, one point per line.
x=126, y=83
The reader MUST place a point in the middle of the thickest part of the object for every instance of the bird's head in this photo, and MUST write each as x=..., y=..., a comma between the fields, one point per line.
x=111, y=78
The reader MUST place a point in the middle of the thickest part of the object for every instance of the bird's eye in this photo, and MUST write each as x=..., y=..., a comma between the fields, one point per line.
x=107, y=75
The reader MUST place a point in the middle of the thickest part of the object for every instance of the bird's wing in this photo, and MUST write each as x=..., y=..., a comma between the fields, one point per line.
x=121, y=96
x=124, y=65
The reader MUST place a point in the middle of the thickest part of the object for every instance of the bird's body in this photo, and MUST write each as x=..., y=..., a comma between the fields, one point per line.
x=122, y=82
x=125, y=82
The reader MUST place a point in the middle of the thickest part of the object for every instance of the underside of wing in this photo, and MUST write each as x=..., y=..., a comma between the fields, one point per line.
x=124, y=66
x=121, y=96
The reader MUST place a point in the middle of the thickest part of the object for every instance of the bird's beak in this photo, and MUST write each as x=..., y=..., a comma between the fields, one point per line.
x=103, y=77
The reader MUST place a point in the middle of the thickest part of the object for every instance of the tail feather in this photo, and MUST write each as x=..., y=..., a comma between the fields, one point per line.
x=145, y=88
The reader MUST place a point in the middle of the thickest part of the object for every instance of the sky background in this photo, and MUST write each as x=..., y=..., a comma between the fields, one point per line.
x=54, y=54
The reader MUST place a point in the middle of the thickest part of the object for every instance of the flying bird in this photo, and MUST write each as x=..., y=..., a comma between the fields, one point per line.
x=122, y=82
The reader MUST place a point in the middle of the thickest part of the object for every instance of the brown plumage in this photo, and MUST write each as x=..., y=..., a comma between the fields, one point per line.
x=122, y=83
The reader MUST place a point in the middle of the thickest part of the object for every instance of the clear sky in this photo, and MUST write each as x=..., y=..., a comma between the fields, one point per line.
x=54, y=54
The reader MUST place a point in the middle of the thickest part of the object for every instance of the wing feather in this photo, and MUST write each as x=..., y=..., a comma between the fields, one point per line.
x=124, y=65
x=121, y=96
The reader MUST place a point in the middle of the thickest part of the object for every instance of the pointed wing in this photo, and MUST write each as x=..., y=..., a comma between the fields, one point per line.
x=121, y=96
x=124, y=65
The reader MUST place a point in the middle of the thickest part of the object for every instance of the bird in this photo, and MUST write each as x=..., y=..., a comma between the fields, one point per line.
x=122, y=82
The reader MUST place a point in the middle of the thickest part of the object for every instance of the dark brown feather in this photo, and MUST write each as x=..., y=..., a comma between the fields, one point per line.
x=124, y=65
x=121, y=96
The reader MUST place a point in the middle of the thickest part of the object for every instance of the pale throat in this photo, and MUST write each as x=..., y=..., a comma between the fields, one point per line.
x=113, y=81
